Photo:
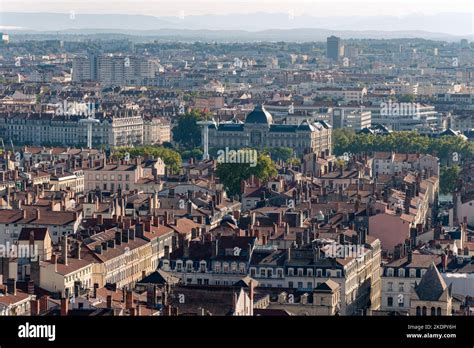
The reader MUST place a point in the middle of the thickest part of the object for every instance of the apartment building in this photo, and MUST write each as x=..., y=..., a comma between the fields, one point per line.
x=155, y=131
x=114, y=70
x=347, y=95
x=39, y=129
x=400, y=276
x=391, y=163
x=120, y=256
x=351, y=119
x=59, y=223
x=293, y=268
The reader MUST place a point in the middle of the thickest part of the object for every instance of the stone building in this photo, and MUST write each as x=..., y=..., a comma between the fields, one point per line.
x=259, y=131
x=432, y=297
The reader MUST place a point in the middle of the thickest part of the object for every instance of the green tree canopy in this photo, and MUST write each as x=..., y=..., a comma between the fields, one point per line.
x=232, y=174
x=187, y=132
x=449, y=149
x=448, y=178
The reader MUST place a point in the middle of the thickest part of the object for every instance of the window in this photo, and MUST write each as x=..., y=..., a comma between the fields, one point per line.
x=390, y=301
x=438, y=310
x=390, y=272
x=412, y=273
x=390, y=286
x=290, y=271
x=300, y=272
x=401, y=287
x=401, y=272
x=290, y=285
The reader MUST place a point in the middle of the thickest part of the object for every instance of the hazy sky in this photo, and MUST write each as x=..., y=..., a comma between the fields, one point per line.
x=192, y=7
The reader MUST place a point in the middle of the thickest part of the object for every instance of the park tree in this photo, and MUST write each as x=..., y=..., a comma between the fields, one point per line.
x=187, y=132
x=232, y=174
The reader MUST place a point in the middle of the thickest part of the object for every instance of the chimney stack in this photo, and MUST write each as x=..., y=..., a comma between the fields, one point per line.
x=109, y=301
x=11, y=286
x=64, y=250
x=64, y=306
x=35, y=307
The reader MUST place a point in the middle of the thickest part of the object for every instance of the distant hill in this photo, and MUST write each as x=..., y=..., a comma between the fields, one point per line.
x=248, y=27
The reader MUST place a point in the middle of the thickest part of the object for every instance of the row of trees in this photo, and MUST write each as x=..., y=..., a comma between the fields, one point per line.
x=449, y=149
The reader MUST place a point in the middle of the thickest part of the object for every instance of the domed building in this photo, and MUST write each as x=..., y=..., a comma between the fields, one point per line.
x=259, y=131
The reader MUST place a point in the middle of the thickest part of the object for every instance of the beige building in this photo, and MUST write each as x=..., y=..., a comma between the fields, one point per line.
x=112, y=177
x=326, y=299
x=120, y=257
x=155, y=131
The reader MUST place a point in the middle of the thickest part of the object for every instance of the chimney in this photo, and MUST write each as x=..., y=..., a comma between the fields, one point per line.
x=98, y=249
x=35, y=307
x=109, y=301
x=37, y=214
x=64, y=250
x=95, y=290
x=444, y=261
x=186, y=249
x=31, y=287
x=11, y=286
x=118, y=238
x=64, y=306
x=124, y=236
x=54, y=261
x=129, y=300
x=410, y=256
x=362, y=236
x=43, y=304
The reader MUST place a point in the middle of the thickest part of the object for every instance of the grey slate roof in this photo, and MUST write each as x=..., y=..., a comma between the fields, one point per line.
x=431, y=286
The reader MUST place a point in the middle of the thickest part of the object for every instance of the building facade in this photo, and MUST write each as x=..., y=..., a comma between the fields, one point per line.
x=259, y=131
